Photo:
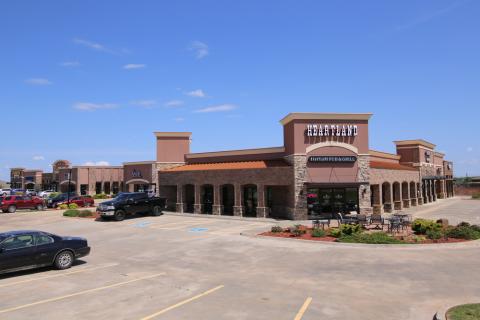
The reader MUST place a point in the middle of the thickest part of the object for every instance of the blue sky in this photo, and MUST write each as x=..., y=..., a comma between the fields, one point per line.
x=90, y=81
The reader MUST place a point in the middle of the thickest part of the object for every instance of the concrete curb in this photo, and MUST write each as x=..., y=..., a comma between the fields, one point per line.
x=210, y=216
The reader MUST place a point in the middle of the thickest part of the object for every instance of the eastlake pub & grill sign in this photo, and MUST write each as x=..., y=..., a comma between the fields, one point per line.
x=333, y=130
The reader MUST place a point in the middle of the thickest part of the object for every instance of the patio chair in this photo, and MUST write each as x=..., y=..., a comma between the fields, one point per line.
x=377, y=220
x=341, y=219
x=321, y=220
x=362, y=220
x=395, y=225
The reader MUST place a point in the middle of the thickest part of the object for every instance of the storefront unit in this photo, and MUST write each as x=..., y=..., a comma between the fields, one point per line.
x=90, y=180
x=140, y=176
x=324, y=166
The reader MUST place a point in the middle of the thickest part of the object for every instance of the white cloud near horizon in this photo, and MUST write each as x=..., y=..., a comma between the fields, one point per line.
x=38, y=158
x=196, y=93
x=200, y=48
x=38, y=81
x=88, y=106
x=218, y=108
x=70, y=64
x=132, y=66
x=144, y=103
x=98, y=163
x=174, y=103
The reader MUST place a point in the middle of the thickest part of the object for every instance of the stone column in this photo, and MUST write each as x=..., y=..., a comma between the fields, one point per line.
x=262, y=210
x=388, y=205
x=364, y=192
x=406, y=202
x=238, y=208
x=180, y=201
x=197, y=206
x=217, y=208
x=299, y=211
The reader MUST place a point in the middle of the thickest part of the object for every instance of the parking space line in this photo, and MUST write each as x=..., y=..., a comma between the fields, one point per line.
x=79, y=293
x=57, y=275
x=183, y=303
x=304, y=308
x=188, y=225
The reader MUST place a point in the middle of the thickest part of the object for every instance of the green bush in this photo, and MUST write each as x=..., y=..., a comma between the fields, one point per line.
x=85, y=213
x=476, y=196
x=335, y=232
x=421, y=226
x=349, y=229
x=434, y=234
x=63, y=206
x=277, y=229
x=71, y=213
x=72, y=206
x=370, y=238
x=464, y=232
x=318, y=233
x=100, y=196
x=298, y=231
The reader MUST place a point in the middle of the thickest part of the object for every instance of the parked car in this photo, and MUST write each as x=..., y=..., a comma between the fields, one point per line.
x=53, y=202
x=18, y=192
x=45, y=193
x=5, y=192
x=130, y=204
x=31, y=192
x=10, y=204
x=81, y=201
x=22, y=250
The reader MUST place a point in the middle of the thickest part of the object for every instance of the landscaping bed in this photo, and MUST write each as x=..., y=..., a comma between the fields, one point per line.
x=85, y=213
x=464, y=312
x=421, y=232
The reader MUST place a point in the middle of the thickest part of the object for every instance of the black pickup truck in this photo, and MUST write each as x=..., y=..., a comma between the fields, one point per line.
x=129, y=204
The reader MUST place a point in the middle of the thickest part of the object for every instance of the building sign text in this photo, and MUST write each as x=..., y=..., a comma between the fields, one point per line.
x=314, y=130
x=330, y=159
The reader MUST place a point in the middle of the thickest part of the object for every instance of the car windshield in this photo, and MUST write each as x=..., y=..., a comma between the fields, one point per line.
x=3, y=237
x=122, y=196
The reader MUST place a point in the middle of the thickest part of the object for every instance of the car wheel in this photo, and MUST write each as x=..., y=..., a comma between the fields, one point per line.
x=12, y=209
x=157, y=211
x=119, y=215
x=39, y=207
x=64, y=260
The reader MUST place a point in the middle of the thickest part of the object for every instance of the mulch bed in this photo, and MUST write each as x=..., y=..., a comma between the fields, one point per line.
x=306, y=236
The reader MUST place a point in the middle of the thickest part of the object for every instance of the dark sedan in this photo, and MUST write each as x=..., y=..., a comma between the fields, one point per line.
x=22, y=250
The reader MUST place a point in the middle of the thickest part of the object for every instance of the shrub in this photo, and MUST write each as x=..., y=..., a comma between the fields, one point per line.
x=370, y=238
x=298, y=231
x=349, y=229
x=72, y=206
x=464, y=232
x=335, y=232
x=277, y=229
x=63, y=206
x=100, y=196
x=71, y=213
x=318, y=233
x=476, y=196
x=85, y=213
x=434, y=234
x=421, y=226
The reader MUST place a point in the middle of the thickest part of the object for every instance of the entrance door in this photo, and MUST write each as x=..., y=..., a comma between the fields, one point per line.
x=250, y=201
x=328, y=201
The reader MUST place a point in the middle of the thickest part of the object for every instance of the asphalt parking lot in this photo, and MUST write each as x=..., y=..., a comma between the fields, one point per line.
x=185, y=267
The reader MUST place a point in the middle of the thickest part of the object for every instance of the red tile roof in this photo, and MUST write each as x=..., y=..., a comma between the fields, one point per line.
x=229, y=165
x=390, y=166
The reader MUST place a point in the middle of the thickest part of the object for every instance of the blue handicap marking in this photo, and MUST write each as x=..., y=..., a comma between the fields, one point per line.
x=142, y=224
x=198, y=229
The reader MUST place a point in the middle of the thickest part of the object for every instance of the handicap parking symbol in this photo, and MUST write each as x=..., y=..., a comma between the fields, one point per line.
x=198, y=230
x=143, y=224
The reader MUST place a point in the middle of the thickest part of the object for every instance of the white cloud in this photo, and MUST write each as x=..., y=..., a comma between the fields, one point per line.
x=144, y=103
x=92, y=45
x=87, y=106
x=219, y=108
x=196, y=93
x=70, y=64
x=469, y=149
x=174, y=103
x=38, y=81
x=200, y=49
x=179, y=119
x=132, y=66
x=38, y=158
x=98, y=163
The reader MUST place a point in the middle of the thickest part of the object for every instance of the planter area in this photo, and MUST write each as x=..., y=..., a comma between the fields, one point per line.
x=85, y=213
x=464, y=312
x=420, y=232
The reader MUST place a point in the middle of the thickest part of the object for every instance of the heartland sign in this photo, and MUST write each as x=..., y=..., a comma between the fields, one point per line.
x=314, y=130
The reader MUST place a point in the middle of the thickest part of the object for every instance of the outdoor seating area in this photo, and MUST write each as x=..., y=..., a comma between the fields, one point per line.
x=395, y=223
